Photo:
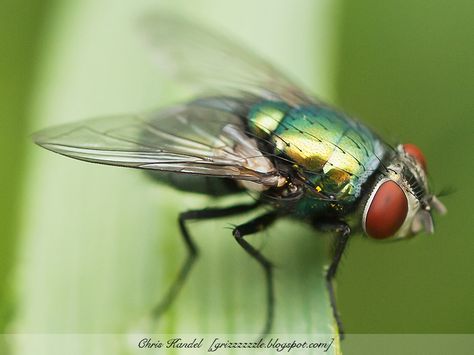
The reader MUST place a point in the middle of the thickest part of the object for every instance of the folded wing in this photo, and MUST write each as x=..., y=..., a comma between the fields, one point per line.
x=184, y=139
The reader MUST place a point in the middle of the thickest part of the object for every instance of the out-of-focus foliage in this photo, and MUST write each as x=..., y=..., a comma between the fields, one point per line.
x=406, y=68
x=20, y=24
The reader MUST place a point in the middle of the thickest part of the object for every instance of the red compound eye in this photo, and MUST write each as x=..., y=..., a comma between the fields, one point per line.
x=416, y=153
x=387, y=211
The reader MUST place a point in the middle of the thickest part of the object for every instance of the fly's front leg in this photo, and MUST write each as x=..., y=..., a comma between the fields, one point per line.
x=256, y=225
x=207, y=213
x=340, y=242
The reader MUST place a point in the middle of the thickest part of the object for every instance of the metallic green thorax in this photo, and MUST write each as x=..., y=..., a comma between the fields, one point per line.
x=335, y=154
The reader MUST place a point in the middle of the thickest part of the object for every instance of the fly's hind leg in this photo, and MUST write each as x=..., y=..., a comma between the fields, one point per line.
x=193, y=252
x=251, y=227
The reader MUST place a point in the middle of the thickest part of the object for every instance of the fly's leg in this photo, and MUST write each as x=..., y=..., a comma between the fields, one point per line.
x=340, y=242
x=207, y=213
x=254, y=226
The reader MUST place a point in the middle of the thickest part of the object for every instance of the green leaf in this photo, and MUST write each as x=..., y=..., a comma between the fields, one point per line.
x=102, y=244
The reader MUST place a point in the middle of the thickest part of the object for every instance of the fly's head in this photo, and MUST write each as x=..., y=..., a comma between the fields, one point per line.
x=400, y=203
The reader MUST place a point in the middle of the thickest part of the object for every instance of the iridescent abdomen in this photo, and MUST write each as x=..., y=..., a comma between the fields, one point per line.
x=335, y=153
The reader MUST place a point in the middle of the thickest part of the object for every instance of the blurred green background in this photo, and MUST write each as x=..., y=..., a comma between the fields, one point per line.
x=67, y=265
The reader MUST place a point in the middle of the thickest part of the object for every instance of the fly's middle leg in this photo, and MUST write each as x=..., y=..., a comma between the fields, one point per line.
x=251, y=227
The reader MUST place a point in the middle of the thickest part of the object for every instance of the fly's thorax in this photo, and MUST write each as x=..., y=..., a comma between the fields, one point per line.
x=332, y=153
x=265, y=117
x=399, y=202
x=326, y=154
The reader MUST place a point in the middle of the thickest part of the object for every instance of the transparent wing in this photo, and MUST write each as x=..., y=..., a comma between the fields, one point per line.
x=210, y=61
x=185, y=139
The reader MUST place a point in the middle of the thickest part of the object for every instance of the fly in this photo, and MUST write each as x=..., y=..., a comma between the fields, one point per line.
x=256, y=131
